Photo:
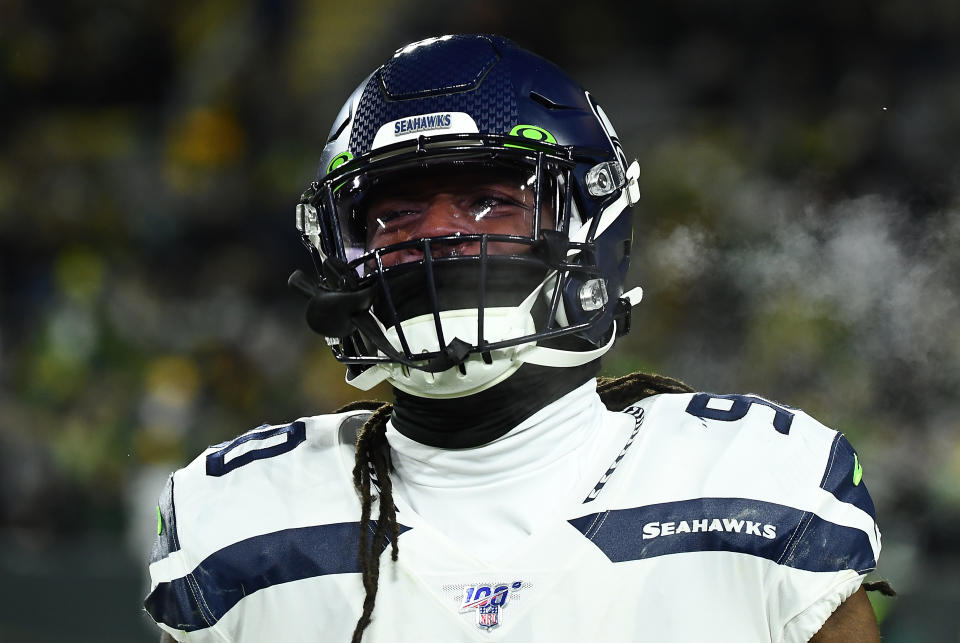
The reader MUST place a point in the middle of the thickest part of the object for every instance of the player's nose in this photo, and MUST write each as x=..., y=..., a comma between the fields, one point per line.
x=442, y=216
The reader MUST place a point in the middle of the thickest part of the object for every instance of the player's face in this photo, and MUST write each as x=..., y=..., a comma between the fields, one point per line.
x=451, y=202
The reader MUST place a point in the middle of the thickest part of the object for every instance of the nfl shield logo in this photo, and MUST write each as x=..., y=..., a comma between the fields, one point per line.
x=487, y=615
x=486, y=600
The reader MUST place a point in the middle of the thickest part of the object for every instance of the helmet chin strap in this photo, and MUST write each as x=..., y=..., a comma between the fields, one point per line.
x=543, y=356
x=421, y=333
x=529, y=353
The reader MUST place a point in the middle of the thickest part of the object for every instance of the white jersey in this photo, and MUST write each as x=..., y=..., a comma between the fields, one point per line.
x=721, y=518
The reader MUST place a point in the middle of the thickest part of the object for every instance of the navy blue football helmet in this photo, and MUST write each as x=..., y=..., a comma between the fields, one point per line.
x=467, y=306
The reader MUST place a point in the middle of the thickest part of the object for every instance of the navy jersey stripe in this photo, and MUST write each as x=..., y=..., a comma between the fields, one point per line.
x=201, y=598
x=779, y=533
x=842, y=478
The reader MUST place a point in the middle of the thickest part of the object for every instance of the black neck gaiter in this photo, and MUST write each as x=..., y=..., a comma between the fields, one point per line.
x=464, y=422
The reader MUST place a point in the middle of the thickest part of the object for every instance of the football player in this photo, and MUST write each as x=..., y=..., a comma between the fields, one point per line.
x=471, y=228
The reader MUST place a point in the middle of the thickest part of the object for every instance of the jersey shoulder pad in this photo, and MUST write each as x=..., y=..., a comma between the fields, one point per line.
x=266, y=479
x=749, y=418
x=268, y=441
x=262, y=489
x=764, y=443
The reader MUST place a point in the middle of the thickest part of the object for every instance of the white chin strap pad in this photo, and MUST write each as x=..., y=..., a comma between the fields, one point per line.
x=474, y=375
x=542, y=356
x=477, y=375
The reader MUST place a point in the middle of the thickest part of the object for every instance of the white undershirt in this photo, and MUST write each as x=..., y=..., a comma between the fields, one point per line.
x=489, y=497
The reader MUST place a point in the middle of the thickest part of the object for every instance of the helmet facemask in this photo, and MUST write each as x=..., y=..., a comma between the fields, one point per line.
x=462, y=246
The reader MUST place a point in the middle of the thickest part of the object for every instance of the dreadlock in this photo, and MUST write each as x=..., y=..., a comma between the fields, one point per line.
x=617, y=393
x=373, y=455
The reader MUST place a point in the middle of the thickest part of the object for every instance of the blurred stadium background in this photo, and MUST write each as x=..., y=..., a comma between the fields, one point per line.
x=799, y=238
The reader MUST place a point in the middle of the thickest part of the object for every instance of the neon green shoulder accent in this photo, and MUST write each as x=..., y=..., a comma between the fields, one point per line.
x=857, y=470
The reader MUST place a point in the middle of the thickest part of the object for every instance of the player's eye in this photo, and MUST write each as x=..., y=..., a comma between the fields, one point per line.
x=392, y=219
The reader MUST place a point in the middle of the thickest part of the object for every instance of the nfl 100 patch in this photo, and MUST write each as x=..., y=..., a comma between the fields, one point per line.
x=485, y=603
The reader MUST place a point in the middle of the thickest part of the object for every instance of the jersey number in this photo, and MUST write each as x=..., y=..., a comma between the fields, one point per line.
x=700, y=406
x=255, y=445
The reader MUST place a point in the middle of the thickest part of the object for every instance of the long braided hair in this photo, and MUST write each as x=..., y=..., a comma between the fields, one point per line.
x=373, y=464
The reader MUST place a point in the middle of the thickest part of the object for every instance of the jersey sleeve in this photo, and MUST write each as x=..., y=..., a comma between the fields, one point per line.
x=246, y=518
x=806, y=481
x=176, y=601
x=831, y=549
